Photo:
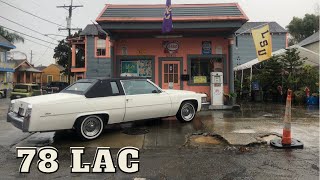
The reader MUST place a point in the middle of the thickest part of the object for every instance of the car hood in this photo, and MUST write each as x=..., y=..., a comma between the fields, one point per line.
x=173, y=91
x=51, y=98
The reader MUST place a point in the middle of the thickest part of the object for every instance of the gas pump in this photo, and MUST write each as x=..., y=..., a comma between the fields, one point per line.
x=216, y=88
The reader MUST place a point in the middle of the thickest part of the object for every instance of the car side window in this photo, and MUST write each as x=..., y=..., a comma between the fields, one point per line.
x=100, y=89
x=114, y=88
x=134, y=87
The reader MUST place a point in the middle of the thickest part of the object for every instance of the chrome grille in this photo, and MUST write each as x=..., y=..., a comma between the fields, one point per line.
x=21, y=111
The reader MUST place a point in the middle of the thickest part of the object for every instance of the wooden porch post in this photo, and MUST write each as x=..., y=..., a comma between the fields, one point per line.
x=41, y=79
x=73, y=57
x=31, y=77
x=24, y=77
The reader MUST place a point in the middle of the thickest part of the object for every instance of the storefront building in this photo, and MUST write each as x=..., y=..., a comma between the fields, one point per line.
x=200, y=43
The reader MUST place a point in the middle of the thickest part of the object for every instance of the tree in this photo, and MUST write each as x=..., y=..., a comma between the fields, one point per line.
x=270, y=74
x=62, y=53
x=310, y=78
x=11, y=37
x=300, y=29
x=292, y=64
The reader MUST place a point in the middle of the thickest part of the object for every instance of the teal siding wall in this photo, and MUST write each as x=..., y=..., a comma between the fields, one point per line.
x=246, y=49
x=96, y=67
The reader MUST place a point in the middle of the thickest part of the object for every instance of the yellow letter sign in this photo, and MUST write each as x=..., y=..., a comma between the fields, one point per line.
x=262, y=41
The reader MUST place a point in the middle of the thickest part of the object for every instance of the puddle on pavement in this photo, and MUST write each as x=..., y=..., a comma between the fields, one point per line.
x=205, y=140
x=268, y=138
x=269, y=115
x=241, y=131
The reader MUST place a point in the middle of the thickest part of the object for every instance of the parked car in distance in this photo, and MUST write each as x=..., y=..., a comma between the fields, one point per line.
x=88, y=105
x=55, y=87
x=25, y=90
x=1, y=93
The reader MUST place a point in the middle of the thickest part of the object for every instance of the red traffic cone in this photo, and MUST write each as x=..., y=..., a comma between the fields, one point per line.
x=287, y=141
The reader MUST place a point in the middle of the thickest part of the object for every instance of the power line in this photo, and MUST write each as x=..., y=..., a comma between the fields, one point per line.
x=58, y=34
x=38, y=43
x=31, y=14
x=28, y=35
x=26, y=27
x=44, y=52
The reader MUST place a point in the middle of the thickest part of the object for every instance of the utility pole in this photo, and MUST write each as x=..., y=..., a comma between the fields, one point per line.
x=31, y=57
x=70, y=8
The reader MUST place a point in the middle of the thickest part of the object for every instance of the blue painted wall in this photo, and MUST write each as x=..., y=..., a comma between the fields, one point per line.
x=246, y=50
x=96, y=67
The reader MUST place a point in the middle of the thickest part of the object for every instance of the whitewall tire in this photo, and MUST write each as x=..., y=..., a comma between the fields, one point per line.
x=89, y=127
x=187, y=112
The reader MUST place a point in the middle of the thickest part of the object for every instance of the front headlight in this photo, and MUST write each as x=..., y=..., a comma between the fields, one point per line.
x=203, y=99
x=11, y=106
x=28, y=112
x=26, y=121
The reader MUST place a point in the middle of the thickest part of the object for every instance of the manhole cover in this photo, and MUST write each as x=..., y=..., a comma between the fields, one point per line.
x=135, y=131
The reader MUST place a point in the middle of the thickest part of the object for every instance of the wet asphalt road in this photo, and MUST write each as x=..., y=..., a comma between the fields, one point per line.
x=167, y=149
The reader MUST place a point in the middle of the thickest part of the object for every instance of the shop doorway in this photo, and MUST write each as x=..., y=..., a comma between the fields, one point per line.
x=171, y=75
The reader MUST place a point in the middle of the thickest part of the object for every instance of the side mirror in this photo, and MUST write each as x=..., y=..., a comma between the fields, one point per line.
x=155, y=91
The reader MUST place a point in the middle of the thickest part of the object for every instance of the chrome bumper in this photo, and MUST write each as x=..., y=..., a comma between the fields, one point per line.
x=17, y=121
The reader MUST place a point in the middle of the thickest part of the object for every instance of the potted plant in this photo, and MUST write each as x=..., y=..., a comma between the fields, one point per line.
x=228, y=98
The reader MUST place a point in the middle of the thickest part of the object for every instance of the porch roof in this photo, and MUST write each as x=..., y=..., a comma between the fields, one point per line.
x=5, y=43
x=29, y=69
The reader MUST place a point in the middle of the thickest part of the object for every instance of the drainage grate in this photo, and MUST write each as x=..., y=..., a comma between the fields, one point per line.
x=135, y=131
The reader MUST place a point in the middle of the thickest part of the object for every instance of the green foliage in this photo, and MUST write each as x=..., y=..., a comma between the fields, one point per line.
x=270, y=74
x=11, y=37
x=299, y=96
x=62, y=53
x=230, y=95
x=300, y=29
x=310, y=78
x=292, y=64
x=288, y=71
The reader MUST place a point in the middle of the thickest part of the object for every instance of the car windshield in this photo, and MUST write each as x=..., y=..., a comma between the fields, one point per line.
x=79, y=87
x=53, y=84
x=20, y=88
x=35, y=87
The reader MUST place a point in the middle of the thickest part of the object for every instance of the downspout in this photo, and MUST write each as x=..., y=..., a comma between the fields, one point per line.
x=241, y=81
x=250, y=79
x=112, y=58
x=231, y=74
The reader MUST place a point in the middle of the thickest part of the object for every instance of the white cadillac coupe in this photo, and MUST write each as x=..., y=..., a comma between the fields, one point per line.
x=88, y=105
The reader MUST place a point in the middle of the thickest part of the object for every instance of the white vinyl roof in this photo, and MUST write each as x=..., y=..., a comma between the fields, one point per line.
x=313, y=58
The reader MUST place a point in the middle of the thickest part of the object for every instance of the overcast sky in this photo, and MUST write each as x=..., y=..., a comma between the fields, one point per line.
x=281, y=11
